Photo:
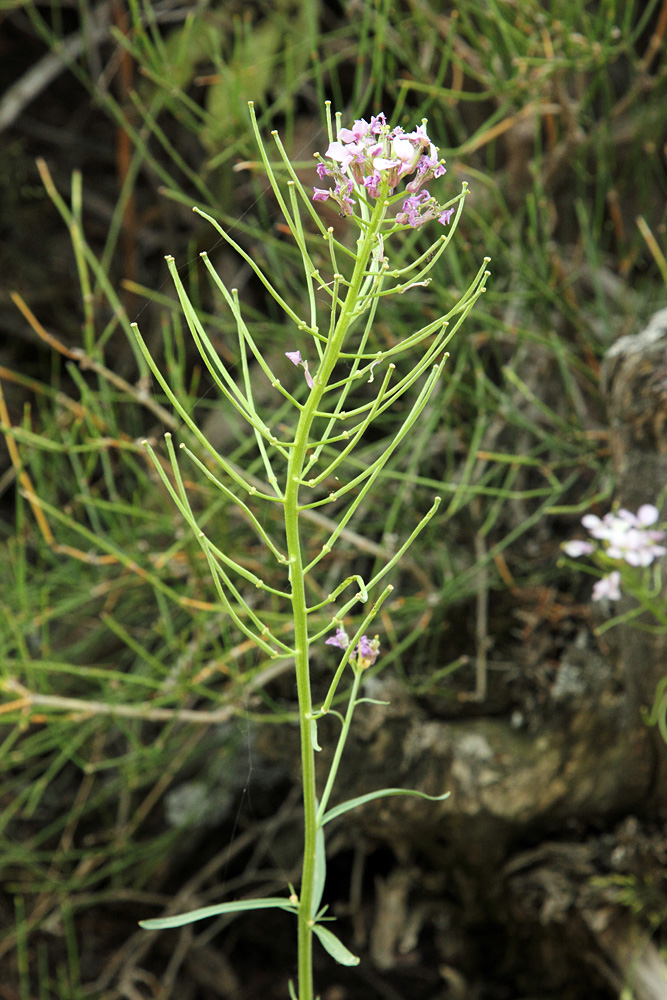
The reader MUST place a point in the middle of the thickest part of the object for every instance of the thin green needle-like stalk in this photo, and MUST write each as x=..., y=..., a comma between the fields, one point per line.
x=347, y=383
x=187, y=418
x=340, y=746
x=231, y=298
x=271, y=477
x=308, y=265
x=380, y=462
x=287, y=309
x=212, y=553
x=361, y=596
x=227, y=386
x=354, y=440
x=280, y=556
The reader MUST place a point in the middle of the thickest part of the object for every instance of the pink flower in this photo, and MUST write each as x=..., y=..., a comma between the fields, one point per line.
x=351, y=155
x=378, y=123
x=376, y=158
x=342, y=154
x=428, y=167
x=634, y=547
x=372, y=183
x=594, y=525
x=366, y=651
x=382, y=163
x=421, y=139
x=411, y=212
x=403, y=149
x=341, y=194
x=296, y=359
x=358, y=130
x=340, y=639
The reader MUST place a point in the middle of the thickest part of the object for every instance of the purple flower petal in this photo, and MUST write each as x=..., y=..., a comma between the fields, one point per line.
x=367, y=651
x=340, y=639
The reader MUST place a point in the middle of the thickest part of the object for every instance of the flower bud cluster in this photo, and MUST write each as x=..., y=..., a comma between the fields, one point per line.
x=624, y=536
x=366, y=651
x=376, y=158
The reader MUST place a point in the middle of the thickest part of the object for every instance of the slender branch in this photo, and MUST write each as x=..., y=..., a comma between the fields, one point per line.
x=340, y=746
x=203, y=440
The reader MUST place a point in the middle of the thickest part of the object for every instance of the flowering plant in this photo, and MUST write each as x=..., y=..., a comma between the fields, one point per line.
x=366, y=651
x=369, y=160
x=625, y=538
x=303, y=440
x=627, y=547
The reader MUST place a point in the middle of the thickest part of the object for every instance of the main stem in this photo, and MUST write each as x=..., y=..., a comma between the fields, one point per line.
x=298, y=597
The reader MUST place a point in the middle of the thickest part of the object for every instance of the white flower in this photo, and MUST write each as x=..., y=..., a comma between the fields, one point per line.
x=403, y=149
x=647, y=514
x=577, y=548
x=627, y=535
x=609, y=587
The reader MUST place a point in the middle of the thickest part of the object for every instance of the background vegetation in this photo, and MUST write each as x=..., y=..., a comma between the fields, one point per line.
x=130, y=707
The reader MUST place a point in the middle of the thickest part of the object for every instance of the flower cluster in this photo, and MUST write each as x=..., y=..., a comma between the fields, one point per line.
x=366, y=651
x=376, y=158
x=624, y=536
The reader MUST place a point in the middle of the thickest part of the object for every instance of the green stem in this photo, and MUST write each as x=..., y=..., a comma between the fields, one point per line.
x=298, y=594
x=342, y=740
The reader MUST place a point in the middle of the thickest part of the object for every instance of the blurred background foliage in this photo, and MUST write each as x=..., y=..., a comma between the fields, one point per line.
x=129, y=703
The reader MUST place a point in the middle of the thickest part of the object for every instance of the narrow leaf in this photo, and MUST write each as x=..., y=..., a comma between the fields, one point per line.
x=383, y=792
x=320, y=873
x=335, y=947
x=238, y=906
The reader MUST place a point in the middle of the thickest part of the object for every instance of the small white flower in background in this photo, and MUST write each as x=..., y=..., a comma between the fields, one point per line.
x=624, y=536
x=577, y=548
x=609, y=587
x=627, y=534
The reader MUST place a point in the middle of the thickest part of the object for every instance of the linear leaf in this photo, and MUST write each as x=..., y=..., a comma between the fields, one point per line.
x=370, y=796
x=238, y=906
x=335, y=947
x=320, y=874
